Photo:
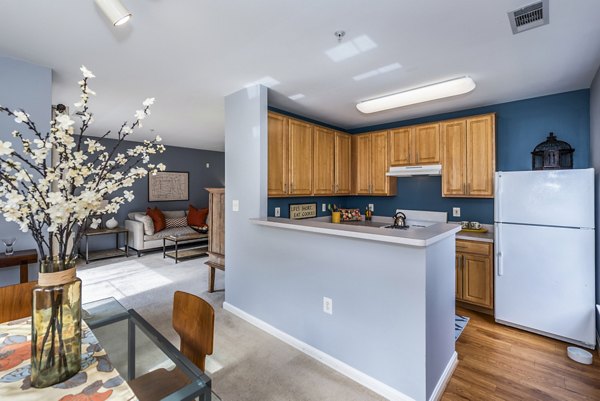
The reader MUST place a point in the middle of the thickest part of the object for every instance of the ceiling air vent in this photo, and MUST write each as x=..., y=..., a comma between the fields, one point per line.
x=529, y=17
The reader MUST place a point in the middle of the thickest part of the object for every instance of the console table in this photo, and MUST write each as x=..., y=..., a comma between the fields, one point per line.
x=107, y=253
x=21, y=259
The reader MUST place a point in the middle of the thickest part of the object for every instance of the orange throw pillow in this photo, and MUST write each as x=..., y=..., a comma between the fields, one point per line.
x=197, y=217
x=158, y=218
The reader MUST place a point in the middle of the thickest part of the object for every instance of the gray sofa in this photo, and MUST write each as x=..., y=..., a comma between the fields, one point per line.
x=140, y=241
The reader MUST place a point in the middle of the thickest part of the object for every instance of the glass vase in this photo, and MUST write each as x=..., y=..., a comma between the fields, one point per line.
x=56, y=324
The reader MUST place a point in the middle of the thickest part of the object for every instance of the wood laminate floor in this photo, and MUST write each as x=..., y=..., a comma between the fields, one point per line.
x=497, y=362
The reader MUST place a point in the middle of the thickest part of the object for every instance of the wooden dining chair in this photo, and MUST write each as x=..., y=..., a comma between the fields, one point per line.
x=194, y=321
x=15, y=301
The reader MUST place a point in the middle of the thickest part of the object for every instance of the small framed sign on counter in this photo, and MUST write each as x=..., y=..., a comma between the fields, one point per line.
x=303, y=210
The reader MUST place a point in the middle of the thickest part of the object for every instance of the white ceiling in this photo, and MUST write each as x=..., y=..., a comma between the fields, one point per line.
x=189, y=54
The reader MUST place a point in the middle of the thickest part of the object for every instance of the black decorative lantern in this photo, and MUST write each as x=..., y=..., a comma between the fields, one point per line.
x=552, y=154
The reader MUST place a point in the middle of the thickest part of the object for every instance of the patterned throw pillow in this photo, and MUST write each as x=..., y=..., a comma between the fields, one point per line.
x=176, y=222
x=350, y=214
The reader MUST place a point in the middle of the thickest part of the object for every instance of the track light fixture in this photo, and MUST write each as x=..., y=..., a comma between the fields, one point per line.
x=114, y=11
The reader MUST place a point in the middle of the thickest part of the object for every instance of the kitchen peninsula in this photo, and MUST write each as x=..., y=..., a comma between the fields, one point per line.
x=376, y=305
x=392, y=293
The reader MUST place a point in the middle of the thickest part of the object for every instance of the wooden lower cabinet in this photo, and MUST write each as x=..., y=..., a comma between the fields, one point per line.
x=475, y=274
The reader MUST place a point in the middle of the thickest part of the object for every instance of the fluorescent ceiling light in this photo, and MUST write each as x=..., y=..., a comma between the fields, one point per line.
x=439, y=90
x=352, y=48
x=296, y=96
x=114, y=11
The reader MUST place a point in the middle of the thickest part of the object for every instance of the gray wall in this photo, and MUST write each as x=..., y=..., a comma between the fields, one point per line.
x=26, y=86
x=280, y=276
x=595, y=151
x=176, y=159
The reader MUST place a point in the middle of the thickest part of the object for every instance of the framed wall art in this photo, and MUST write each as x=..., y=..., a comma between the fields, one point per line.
x=168, y=186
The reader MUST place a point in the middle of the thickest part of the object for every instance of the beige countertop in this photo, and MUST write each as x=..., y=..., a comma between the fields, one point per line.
x=483, y=237
x=369, y=230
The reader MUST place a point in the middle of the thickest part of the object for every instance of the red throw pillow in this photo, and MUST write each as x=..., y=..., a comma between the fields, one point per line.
x=158, y=218
x=196, y=217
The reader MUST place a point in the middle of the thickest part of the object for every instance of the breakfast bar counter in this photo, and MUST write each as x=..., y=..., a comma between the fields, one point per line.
x=376, y=303
x=374, y=230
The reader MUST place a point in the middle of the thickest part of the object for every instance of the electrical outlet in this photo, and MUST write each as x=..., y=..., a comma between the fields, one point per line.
x=235, y=205
x=327, y=305
x=456, y=212
x=371, y=207
x=277, y=211
x=207, y=165
x=323, y=207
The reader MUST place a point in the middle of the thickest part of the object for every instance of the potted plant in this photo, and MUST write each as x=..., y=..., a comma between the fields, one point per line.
x=53, y=199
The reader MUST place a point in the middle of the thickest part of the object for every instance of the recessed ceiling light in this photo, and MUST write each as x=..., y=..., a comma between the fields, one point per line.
x=114, y=11
x=296, y=96
x=427, y=93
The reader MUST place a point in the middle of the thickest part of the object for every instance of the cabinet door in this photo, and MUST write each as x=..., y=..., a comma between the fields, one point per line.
x=427, y=144
x=301, y=161
x=323, y=161
x=459, y=277
x=361, y=153
x=454, y=158
x=379, y=163
x=477, y=280
x=343, y=171
x=481, y=156
x=278, y=155
x=400, y=146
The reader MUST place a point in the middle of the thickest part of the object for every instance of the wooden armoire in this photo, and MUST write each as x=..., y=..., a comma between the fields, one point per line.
x=216, y=233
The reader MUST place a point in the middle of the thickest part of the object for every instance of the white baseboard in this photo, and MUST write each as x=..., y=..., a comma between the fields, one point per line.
x=438, y=391
x=369, y=382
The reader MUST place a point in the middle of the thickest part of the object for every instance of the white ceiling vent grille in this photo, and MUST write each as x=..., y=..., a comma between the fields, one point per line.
x=529, y=17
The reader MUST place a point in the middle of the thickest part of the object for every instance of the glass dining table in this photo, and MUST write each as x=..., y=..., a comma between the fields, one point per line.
x=123, y=358
x=152, y=366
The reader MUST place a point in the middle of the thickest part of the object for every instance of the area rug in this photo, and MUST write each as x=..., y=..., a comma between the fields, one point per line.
x=460, y=322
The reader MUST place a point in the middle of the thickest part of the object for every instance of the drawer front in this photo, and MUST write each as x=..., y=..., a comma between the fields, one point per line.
x=476, y=247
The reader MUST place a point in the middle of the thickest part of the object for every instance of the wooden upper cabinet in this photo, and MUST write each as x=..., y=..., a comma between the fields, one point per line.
x=400, y=146
x=278, y=172
x=343, y=160
x=454, y=165
x=469, y=157
x=379, y=163
x=481, y=155
x=427, y=144
x=300, y=157
x=415, y=145
x=361, y=155
x=323, y=161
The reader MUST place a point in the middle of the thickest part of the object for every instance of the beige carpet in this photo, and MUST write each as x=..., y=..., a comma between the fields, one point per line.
x=248, y=364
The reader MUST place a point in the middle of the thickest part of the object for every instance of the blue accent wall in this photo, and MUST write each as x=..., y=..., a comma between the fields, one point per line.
x=520, y=126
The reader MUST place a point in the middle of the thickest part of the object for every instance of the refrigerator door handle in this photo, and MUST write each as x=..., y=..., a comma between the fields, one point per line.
x=499, y=264
x=497, y=198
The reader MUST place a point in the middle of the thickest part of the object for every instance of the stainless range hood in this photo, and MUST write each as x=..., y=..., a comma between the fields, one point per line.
x=410, y=171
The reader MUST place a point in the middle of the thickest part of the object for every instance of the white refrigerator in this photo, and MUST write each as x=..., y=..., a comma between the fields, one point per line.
x=545, y=253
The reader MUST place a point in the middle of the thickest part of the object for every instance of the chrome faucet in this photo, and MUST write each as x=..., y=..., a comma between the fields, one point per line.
x=399, y=219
